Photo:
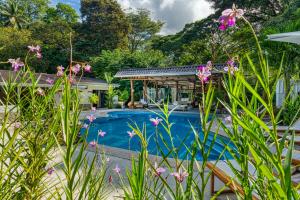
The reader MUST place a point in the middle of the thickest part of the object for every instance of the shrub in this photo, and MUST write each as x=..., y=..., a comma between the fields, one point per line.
x=94, y=99
x=290, y=113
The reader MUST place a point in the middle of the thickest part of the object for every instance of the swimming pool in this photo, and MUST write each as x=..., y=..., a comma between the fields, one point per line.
x=116, y=126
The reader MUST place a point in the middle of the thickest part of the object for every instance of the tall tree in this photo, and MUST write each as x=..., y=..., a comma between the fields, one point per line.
x=62, y=12
x=104, y=26
x=143, y=28
x=12, y=15
x=256, y=10
x=34, y=10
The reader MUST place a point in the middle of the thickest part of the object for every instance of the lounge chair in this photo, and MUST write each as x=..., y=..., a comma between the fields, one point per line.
x=155, y=105
x=223, y=172
x=177, y=106
x=295, y=127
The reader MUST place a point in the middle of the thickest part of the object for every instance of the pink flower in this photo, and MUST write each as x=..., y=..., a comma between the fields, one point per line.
x=117, y=169
x=36, y=49
x=234, y=12
x=50, y=170
x=87, y=68
x=60, y=71
x=76, y=68
x=101, y=133
x=131, y=134
x=50, y=81
x=17, y=125
x=155, y=121
x=91, y=118
x=179, y=175
x=94, y=109
x=39, y=55
x=231, y=67
x=40, y=92
x=203, y=75
x=93, y=144
x=228, y=18
x=85, y=126
x=158, y=170
x=16, y=64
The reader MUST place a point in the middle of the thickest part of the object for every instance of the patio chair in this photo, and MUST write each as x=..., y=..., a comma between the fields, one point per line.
x=155, y=105
x=295, y=127
x=223, y=172
x=178, y=106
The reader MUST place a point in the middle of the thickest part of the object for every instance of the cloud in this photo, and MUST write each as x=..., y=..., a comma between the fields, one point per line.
x=175, y=13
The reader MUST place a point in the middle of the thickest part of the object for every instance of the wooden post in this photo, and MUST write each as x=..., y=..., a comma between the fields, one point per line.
x=156, y=91
x=176, y=91
x=194, y=90
x=132, y=93
x=145, y=90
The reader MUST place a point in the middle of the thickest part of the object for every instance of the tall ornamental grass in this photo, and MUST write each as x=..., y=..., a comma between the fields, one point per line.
x=43, y=156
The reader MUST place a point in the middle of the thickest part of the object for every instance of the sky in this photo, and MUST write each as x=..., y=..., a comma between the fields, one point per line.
x=174, y=13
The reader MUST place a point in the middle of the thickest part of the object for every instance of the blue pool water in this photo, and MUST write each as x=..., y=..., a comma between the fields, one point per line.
x=117, y=123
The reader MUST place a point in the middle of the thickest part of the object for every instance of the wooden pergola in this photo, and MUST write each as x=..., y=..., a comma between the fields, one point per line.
x=183, y=77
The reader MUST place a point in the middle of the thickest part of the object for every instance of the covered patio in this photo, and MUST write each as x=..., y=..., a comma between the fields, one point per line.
x=178, y=81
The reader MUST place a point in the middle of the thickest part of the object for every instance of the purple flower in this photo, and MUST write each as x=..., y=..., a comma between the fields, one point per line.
x=60, y=71
x=91, y=118
x=36, y=49
x=203, y=75
x=76, y=68
x=17, y=124
x=231, y=67
x=201, y=67
x=50, y=170
x=117, y=169
x=131, y=133
x=158, y=170
x=101, y=133
x=155, y=121
x=50, y=81
x=39, y=55
x=40, y=92
x=180, y=175
x=228, y=18
x=93, y=144
x=85, y=126
x=234, y=12
x=87, y=68
x=16, y=64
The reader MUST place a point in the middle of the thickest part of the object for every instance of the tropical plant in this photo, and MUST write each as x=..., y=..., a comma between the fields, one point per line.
x=94, y=99
x=110, y=92
x=12, y=14
x=290, y=111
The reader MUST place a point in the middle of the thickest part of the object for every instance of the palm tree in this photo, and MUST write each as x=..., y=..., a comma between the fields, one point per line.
x=12, y=15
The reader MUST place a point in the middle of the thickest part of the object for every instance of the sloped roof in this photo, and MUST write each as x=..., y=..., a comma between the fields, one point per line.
x=166, y=71
x=6, y=74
